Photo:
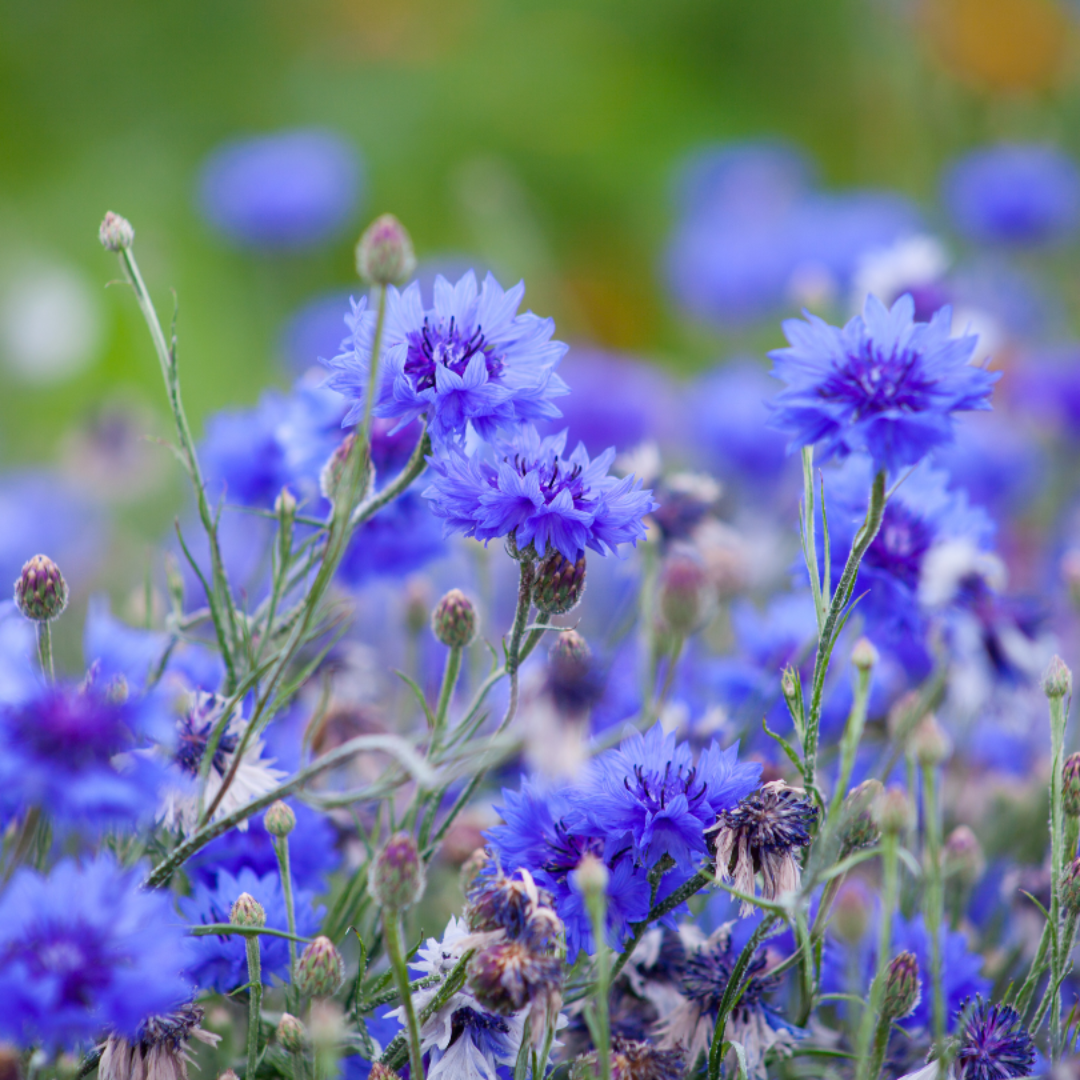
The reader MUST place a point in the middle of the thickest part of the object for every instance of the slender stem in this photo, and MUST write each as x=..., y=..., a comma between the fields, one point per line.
x=669, y=675
x=446, y=691
x=1035, y=973
x=596, y=901
x=527, y=571
x=1059, y=954
x=934, y=898
x=281, y=850
x=396, y=955
x=45, y=650
x=254, y=966
x=809, y=524
x=849, y=741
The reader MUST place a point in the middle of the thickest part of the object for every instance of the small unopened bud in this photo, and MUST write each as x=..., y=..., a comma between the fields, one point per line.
x=930, y=743
x=1057, y=682
x=417, y=604
x=560, y=583
x=247, y=911
x=1070, y=788
x=591, y=876
x=902, y=987
x=903, y=715
x=291, y=1034
x=789, y=687
x=963, y=856
x=453, y=622
x=684, y=594
x=858, y=824
x=320, y=971
x=1070, y=888
x=864, y=656
x=332, y=476
x=285, y=503
x=570, y=648
x=228, y=1074
x=894, y=811
x=41, y=592
x=851, y=914
x=379, y=1071
x=384, y=254
x=280, y=819
x=396, y=878
x=116, y=233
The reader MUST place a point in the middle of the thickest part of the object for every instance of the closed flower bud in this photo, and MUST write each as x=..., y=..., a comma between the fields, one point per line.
x=396, y=878
x=280, y=819
x=560, y=583
x=116, y=233
x=379, y=1071
x=902, y=986
x=1070, y=789
x=453, y=622
x=789, y=687
x=858, y=824
x=851, y=914
x=571, y=649
x=417, y=604
x=1057, y=681
x=333, y=472
x=509, y=975
x=894, y=811
x=320, y=971
x=291, y=1034
x=384, y=254
x=247, y=911
x=591, y=876
x=930, y=743
x=903, y=715
x=41, y=592
x=1070, y=888
x=285, y=503
x=685, y=601
x=864, y=656
x=963, y=856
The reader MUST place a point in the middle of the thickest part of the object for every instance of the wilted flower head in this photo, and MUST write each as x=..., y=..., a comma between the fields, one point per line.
x=634, y=1059
x=159, y=1049
x=884, y=384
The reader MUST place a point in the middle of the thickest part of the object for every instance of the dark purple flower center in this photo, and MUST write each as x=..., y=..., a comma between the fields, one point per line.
x=899, y=547
x=76, y=729
x=195, y=730
x=708, y=973
x=655, y=789
x=70, y=955
x=567, y=850
x=554, y=477
x=995, y=1045
x=485, y=1029
x=874, y=381
x=447, y=346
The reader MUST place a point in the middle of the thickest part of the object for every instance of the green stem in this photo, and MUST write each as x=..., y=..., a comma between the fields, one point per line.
x=446, y=691
x=596, y=901
x=1035, y=973
x=45, y=650
x=1059, y=953
x=254, y=966
x=934, y=898
x=281, y=850
x=527, y=571
x=849, y=741
x=396, y=955
x=809, y=541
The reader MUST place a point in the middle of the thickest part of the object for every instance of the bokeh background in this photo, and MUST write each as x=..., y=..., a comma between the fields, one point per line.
x=579, y=145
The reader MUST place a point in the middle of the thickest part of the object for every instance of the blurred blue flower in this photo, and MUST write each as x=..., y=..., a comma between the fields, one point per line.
x=293, y=189
x=314, y=330
x=86, y=949
x=220, y=963
x=883, y=384
x=1013, y=193
x=399, y=540
x=18, y=655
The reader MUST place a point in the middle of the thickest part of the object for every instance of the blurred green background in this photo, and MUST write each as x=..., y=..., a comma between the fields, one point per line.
x=540, y=138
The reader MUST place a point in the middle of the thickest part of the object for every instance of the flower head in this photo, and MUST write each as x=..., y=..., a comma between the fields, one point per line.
x=159, y=1048
x=634, y=1059
x=85, y=949
x=994, y=1044
x=531, y=491
x=884, y=384
x=469, y=359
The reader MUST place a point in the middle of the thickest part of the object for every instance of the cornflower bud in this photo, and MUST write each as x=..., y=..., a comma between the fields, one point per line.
x=320, y=971
x=858, y=826
x=116, y=233
x=507, y=976
x=384, y=253
x=894, y=811
x=247, y=911
x=930, y=743
x=864, y=656
x=285, y=503
x=789, y=687
x=1070, y=888
x=591, y=876
x=963, y=856
x=396, y=878
x=417, y=604
x=851, y=914
x=560, y=583
x=41, y=592
x=1070, y=788
x=332, y=475
x=901, y=717
x=291, y=1034
x=280, y=819
x=902, y=986
x=453, y=622
x=684, y=594
x=379, y=1071
x=1057, y=681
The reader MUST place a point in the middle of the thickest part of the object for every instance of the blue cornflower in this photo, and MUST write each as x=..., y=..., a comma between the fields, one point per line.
x=1014, y=194
x=994, y=1044
x=86, y=949
x=220, y=963
x=469, y=359
x=540, y=497
x=68, y=750
x=292, y=189
x=883, y=384
x=396, y=542
x=649, y=795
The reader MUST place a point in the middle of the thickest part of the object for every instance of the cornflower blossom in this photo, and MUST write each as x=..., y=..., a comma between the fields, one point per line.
x=883, y=385
x=68, y=751
x=471, y=359
x=86, y=949
x=158, y=1050
x=254, y=776
x=529, y=490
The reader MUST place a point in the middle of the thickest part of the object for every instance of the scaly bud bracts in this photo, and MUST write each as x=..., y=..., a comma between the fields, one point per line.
x=1057, y=681
x=560, y=583
x=1070, y=788
x=247, y=911
x=332, y=476
x=285, y=503
x=1070, y=888
x=379, y=1071
x=396, y=878
x=864, y=656
x=858, y=823
x=291, y=1034
x=384, y=253
x=894, y=811
x=591, y=876
x=963, y=856
x=280, y=819
x=320, y=971
x=930, y=743
x=685, y=602
x=508, y=975
x=902, y=986
x=116, y=233
x=453, y=622
x=41, y=592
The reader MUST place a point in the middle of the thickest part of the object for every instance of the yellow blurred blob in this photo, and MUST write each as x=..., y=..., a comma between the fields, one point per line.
x=1001, y=44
